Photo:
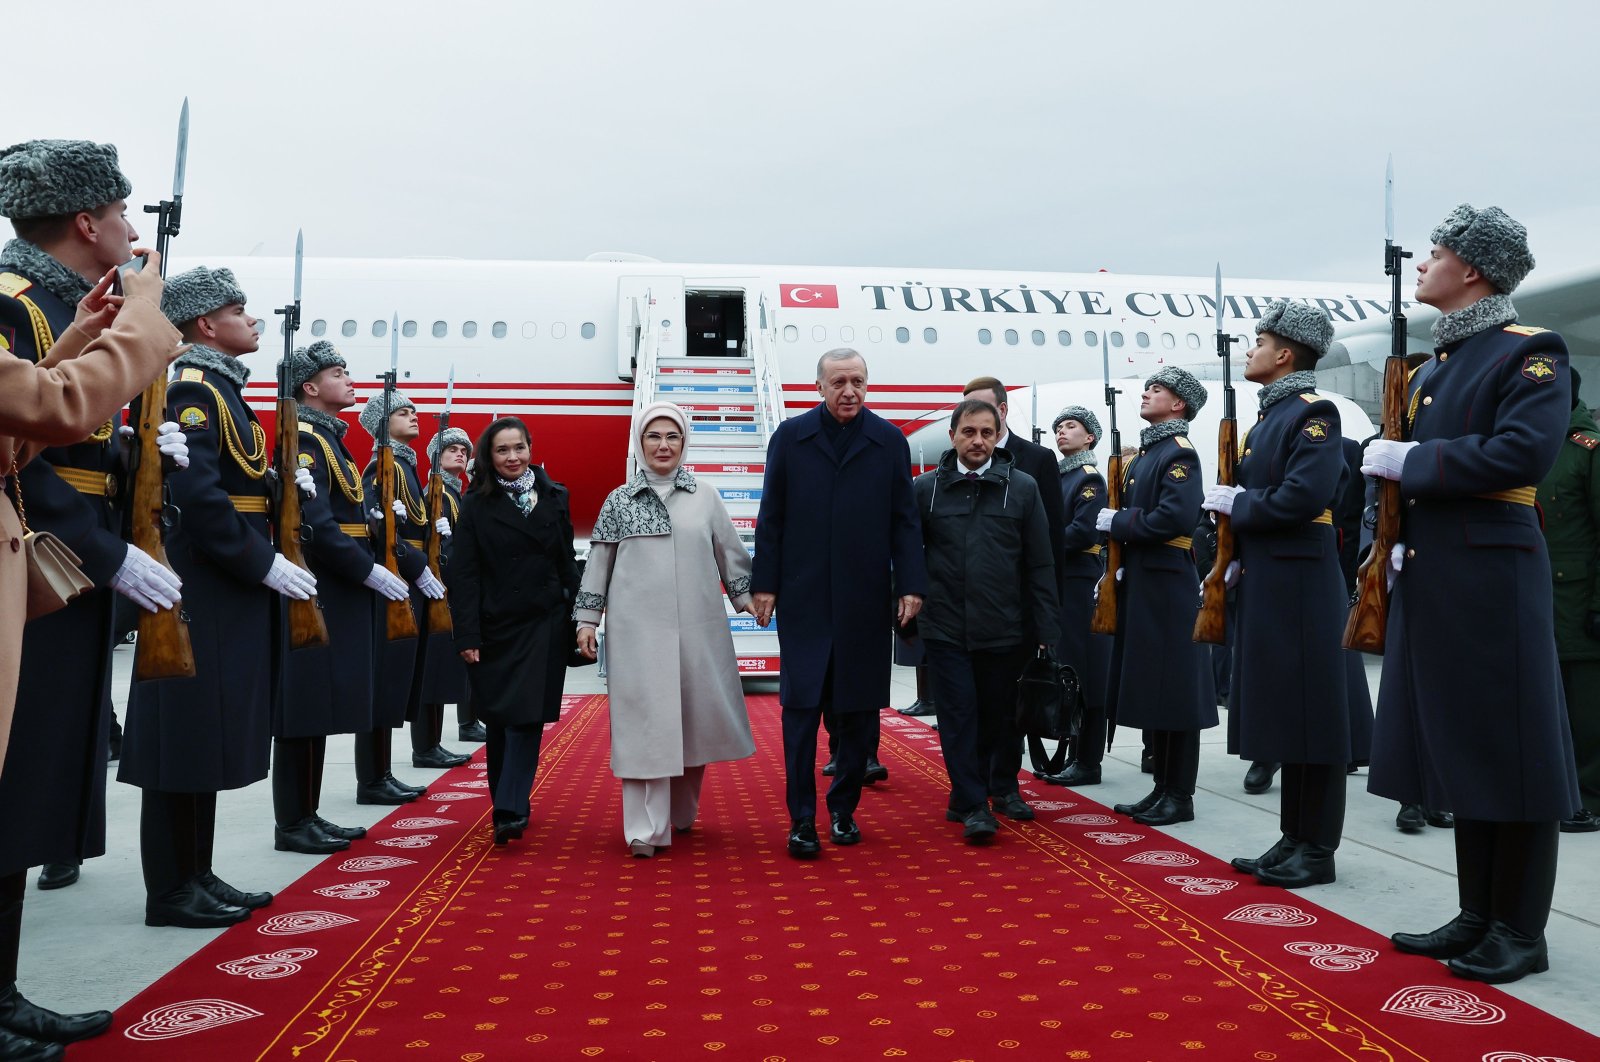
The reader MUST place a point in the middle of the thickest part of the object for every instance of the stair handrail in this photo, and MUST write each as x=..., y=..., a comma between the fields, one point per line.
x=769, y=385
x=644, y=372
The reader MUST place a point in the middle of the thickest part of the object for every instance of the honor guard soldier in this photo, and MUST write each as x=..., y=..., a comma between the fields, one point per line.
x=1470, y=713
x=327, y=689
x=444, y=679
x=1161, y=679
x=1083, y=495
x=1288, y=703
x=396, y=676
x=188, y=738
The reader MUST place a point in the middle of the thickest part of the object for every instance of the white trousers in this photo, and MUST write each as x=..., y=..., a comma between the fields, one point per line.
x=652, y=807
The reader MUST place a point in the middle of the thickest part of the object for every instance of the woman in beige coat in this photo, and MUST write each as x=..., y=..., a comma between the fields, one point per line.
x=660, y=545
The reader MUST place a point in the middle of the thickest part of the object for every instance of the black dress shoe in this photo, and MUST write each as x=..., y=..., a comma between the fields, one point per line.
x=831, y=767
x=1502, y=956
x=876, y=772
x=307, y=838
x=227, y=894
x=980, y=826
x=1585, y=821
x=19, y=1016
x=918, y=707
x=1456, y=937
x=1439, y=820
x=1012, y=806
x=191, y=907
x=60, y=875
x=1409, y=819
x=844, y=830
x=472, y=732
x=803, y=843
x=1144, y=803
x=384, y=791
x=1258, y=779
x=404, y=787
x=14, y=1047
x=349, y=833
x=1170, y=809
x=1308, y=864
x=1076, y=774
x=508, y=827
x=438, y=757
x=1270, y=858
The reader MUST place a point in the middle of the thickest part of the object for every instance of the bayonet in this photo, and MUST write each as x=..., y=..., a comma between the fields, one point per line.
x=169, y=212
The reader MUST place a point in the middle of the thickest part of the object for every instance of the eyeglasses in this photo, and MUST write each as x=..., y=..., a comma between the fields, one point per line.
x=655, y=438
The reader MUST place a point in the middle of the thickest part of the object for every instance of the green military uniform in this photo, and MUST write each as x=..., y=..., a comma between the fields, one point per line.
x=1570, y=498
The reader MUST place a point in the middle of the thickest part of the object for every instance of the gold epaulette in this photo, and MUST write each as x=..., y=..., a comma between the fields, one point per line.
x=1183, y=441
x=1524, y=330
x=1182, y=542
x=12, y=284
x=1091, y=470
x=191, y=376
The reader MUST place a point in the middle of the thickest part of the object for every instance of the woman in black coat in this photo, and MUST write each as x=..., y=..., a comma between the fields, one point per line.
x=513, y=579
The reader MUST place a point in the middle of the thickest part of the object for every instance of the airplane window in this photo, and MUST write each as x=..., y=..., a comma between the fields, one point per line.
x=847, y=334
x=791, y=334
x=469, y=329
x=1038, y=338
x=1193, y=341
x=1092, y=338
x=348, y=328
x=902, y=334
x=558, y=330
x=408, y=329
x=380, y=328
x=499, y=329
x=984, y=337
x=819, y=334
x=588, y=329
x=1142, y=338
x=875, y=334
x=1167, y=342
x=930, y=335
x=1116, y=339
x=1064, y=338
x=1011, y=336
x=319, y=327
x=440, y=329
x=529, y=329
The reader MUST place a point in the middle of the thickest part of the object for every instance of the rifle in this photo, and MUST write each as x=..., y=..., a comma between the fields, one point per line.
x=439, y=610
x=1210, y=625
x=164, y=650
x=400, y=621
x=1104, y=620
x=1369, y=616
x=306, y=624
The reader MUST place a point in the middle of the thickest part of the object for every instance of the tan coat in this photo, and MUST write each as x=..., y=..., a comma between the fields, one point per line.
x=75, y=389
x=671, y=673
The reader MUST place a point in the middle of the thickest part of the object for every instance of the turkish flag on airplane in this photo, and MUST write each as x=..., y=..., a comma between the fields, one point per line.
x=819, y=296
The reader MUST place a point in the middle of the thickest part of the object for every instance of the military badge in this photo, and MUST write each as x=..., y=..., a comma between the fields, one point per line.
x=1539, y=368
x=1178, y=472
x=1315, y=429
x=307, y=461
x=1088, y=492
x=193, y=417
x=12, y=285
x=1525, y=330
x=191, y=376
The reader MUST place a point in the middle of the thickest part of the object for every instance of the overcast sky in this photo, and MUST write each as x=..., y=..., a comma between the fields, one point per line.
x=1136, y=137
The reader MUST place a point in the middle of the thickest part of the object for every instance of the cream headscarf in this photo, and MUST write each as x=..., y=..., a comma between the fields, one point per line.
x=662, y=485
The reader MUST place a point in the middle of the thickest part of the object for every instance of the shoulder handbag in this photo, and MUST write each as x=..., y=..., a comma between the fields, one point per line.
x=54, y=573
x=1049, y=707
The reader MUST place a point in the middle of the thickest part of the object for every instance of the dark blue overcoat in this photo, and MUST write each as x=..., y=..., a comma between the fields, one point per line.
x=1083, y=495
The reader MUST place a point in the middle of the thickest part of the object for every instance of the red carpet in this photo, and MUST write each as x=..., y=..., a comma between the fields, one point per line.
x=1079, y=935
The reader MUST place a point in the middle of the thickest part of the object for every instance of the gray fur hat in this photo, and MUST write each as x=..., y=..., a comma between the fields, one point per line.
x=199, y=291
x=1183, y=384
x=1308, y=325
x=47, y=178
x=371, y=417
x=1082, y=415
x=1490, y=241
x=306, y=362
x=448, y=437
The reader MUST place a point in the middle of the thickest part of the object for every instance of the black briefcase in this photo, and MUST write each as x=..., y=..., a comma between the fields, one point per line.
x=1049, y=708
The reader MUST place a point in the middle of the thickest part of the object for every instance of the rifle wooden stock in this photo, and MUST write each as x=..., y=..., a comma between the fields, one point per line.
x=163, y=650
x=1211, y=625
x=401, y=622
x=1104, y=620
x=438, y=610
x=306, y=625
x=1369, y=616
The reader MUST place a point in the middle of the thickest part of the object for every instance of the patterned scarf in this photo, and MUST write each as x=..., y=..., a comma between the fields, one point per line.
x=1284, y=386
x=36, y=264
x=1470, y=320
x=229, y=368
x=1077, y=460
x=521, y=490
x=1154, y=433
x=323, y=419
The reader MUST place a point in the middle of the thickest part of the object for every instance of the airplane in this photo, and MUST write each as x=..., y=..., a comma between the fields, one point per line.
x=575, y=347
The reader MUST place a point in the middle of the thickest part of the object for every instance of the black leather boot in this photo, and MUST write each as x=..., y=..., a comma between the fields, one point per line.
x=1502, y=956
x=19, y=1016
x=349, y=833
x=307, y=838
x=1270, y=858
x=1143, y=804
x=14, y=1047
x=1456, y=937
x=58, y=875
x=876, y=772
x=472, y=731
x=1075, y=775
x=1258, y=779
x=1170, y=809
x=227, y=894
x=191, y=907
x=438, y=757
x=1308, y=864
x=386, y=790
x=803, y=843
x=1410, y=818
x=843, y=829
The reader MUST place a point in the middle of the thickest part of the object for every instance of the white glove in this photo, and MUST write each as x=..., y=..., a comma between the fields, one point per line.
x=303, y=480
x=126, y=431
x=375, y=513
x=1385, y=458
x=1397, y=560
x=290, y=580
x=1230, y=577
x=172, y=443
x=145, y=582
x=1119, y=575
x=1219, y=499
x=387, y=583
x=399, y=508
x=430, y=585
x=1102, y=519
x=442, y=525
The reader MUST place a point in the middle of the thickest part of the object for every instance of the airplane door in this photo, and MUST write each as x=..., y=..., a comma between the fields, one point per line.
x=648, y=308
